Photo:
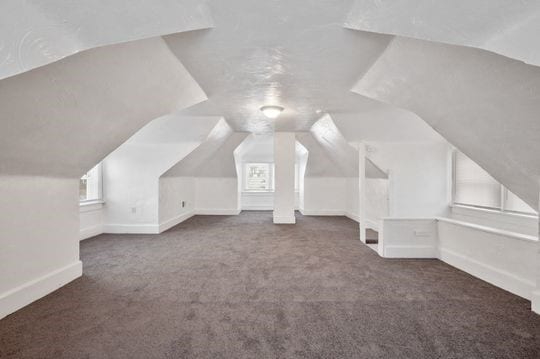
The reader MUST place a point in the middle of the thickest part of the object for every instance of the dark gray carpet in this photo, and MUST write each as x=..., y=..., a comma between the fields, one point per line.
x=241, y=287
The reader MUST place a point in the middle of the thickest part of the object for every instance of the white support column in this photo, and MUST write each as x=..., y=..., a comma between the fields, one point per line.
x=284, y=157
x=362, y=190
x=535, y=300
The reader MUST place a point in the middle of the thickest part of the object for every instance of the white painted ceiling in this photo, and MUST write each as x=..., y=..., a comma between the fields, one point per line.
x=306, y=56
x=63, y=118
x=290, y=53
x=34, y=33
x=507, y=27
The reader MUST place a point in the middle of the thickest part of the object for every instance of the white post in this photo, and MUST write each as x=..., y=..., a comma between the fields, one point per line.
x=284, y=158
x=362, y=190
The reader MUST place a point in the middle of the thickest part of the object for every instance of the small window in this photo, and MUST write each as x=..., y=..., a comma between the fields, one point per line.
x=473, y=186
x=259, y=177
x=90, y=185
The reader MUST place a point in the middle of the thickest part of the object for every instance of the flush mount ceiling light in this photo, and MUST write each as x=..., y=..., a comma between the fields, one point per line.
x=272, y=111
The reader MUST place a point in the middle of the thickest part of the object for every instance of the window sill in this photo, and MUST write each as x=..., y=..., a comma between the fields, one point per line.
x=487, y=229
x=494, y=211
x=88, y=206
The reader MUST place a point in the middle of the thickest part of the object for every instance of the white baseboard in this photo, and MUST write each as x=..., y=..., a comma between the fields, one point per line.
x=507, y=281
x=410, y=251
x=168, y=224
x=284, y=219
x=131, y=228
x=535, y=302
x=353, y=216
x=257, y=208
x=29, y=292
x=156, y=229
x=89, y=232
x=217, y=212
x=323, y=212
x=330, y=212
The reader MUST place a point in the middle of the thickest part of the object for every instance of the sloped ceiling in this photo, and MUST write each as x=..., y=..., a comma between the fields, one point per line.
x=507, y=27
x=62, y=119
x=385, y=124
x=260, y=148
x=34, y=33
x=290, y=53
x=303, y=55
x=214, y=157
x=157, y=147
x=486, y=105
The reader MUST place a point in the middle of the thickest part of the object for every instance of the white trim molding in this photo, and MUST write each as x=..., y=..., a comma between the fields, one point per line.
x=217, y=212
x=29, y=292
x=284, y=219
x=168, y=224
x=500, y=278
x=535, y=302
x=90, y=232
x=146, y=228
x=503, y=258
x=323, y=212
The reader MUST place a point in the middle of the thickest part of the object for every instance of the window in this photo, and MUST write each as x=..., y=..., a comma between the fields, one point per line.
x=259, y=177
x=90, y=187
x=473, y=186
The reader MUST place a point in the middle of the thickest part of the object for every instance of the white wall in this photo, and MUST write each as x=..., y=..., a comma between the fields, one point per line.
x=91, y=220
x=519, y=223
x=39, y=238
x=353, y=196
x=418, y=183
x=503, y=258
x=325, y=196
x=500, y=258
x=257, y=201
x=216, y=195
x=131, y=184
x=172, y=192
x=202, y=195
x=376, y=201
x=408, y=238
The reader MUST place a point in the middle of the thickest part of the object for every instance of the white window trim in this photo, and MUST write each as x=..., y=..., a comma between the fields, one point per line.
x=504, y=195
x=245, y=180
x=100, y=199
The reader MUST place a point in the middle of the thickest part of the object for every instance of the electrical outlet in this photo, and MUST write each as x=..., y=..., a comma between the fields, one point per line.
x=133, y=209
x=183, y=204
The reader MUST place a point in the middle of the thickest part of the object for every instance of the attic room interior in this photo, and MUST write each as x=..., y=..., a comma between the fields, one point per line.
x=269, y=179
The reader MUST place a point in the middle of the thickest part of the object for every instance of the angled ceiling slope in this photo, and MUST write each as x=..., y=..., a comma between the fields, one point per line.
x=485, y=104
x=342, y=155
x=214, y=157
x=63, y=118
x=36, y=33
x=290, y=53
x=507, y=27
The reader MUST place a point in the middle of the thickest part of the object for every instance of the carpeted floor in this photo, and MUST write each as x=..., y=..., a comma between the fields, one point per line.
x=241, y=287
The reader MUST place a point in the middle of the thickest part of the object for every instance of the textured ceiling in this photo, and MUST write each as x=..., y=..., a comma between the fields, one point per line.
x=34, y=33
x=290, y=53
x=507, y=27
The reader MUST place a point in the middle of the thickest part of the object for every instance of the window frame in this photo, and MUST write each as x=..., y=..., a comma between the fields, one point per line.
x=503, y=195
x=271, y=179
x=99, y=168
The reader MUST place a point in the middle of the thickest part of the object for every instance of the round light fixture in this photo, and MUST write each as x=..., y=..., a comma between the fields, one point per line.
x=272, y=111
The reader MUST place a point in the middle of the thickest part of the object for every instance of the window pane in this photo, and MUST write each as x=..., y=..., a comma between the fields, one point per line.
x=258, y=177
x=514, y=203
x=90, y=185
x=473, y=185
